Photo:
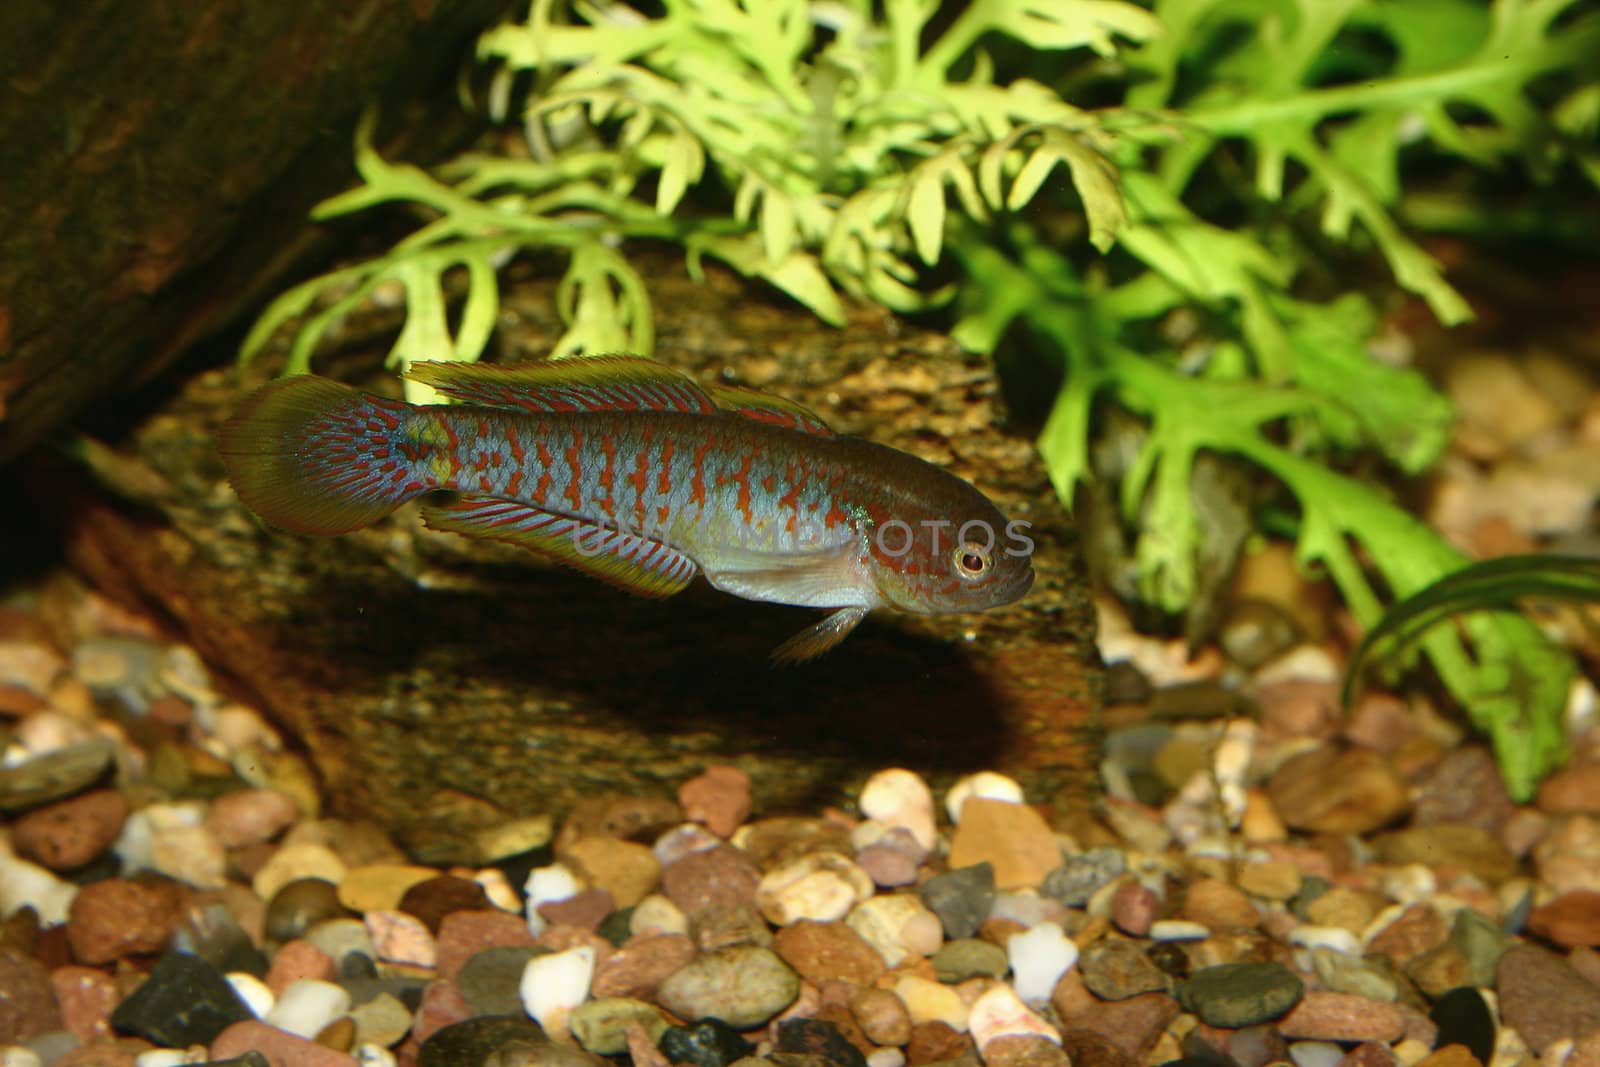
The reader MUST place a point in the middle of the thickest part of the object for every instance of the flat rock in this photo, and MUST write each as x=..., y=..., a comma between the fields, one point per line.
x=1013, y=838
x=470, y=1042
x=184, y=1001
x=28, y=1003
x=1544, y=998
x=820, y=951
x=743, y=986
x=1234, y=995
x=1328, y=791
x=1571, y=919
x=69, y=833
x=961, y=898
x=55, y=775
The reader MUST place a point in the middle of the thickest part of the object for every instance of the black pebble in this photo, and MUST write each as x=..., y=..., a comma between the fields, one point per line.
x=707, y=1043
x=820, y=1038
x=1463, y=1019
x=184, y=1002
x=614, y=927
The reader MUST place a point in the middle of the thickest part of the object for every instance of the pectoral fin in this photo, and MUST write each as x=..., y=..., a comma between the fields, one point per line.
x=637, y=564
x=813, y=641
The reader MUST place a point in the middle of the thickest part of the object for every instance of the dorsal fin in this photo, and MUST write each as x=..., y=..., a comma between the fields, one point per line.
x=764, y=407
x=579, y=383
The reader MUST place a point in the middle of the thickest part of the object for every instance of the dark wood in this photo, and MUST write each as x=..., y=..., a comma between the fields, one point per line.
x=157, y=160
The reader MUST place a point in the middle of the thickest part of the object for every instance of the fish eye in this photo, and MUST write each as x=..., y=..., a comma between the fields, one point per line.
x=972, y=560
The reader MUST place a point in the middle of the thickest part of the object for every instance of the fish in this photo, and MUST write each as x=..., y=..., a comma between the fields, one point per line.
x=632, y=472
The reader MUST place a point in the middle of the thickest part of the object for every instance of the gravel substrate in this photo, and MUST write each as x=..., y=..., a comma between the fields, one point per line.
x=1291, y=885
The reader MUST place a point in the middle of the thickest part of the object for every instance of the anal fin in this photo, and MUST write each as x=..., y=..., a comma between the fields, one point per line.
x=814, y=640
x=638, y=564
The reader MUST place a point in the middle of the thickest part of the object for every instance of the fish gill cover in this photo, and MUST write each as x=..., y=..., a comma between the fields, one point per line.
x=1151, y=194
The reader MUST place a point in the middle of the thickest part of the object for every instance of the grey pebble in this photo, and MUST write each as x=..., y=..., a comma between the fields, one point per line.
x=300, y=905
x=1080, y=876
x=56, y=775
x=1344, y=973
x=744, y=986
x=1480, y=942
x=491, y=980
x=1234, y=995
x=961, y=898
x=1116, y=970
x=476, y=1042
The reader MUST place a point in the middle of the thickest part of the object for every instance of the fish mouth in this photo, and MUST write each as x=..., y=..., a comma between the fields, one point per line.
x=1016, y=587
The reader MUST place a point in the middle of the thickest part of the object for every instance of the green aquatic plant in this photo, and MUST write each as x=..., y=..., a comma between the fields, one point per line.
x=1089, y=169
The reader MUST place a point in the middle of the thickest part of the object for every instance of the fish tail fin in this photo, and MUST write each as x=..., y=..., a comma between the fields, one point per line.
x=316, y=456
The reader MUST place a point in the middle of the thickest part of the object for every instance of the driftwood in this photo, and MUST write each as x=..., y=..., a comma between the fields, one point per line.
x=157, y=161
x=441, y=684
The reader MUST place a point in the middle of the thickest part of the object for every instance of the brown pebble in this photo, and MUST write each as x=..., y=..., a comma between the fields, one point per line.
x=631, y=818
x=934, y=1041
x=281, y=1048
x=1543, y=997
x=723, y=926
x=718, y=799
x=86, y=997
x=1071, y=995
x=1134, y=908
x=721, y=876
x=295, y=960
x=1014, y=838
x=1414, y=931
x=1024, y=1050
x=1133, y=1025
x=1085, y=1048
x=442, y=1004
x=641, y=965
x=28, y=1002
x=882, y=1016
x=250, y=816
x=1369, y=1054
x=819, y=951
x=1219, y=905
x=1570, y=920
x=431, y=899
x=71, y=832
x=339, y=1035
x=1299, y=707
x=1572, y=790
x=1325, y=1016
x=585, y=910
x=1328, y=791
x=1463, y=787
x=627, y=870
x=1449, y=845
x=117, y=918
x=464, y=934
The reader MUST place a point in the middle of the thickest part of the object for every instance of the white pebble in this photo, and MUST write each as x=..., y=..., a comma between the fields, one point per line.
x=1024, y=906
x=1303, y=662
x=822, y=886
x=681, y=841
x=1178, y=930
x=1039, y=957
x=1336, y=938
x=657, y=914
x=886, y=1057
x=1408, y=884
x=19, y=1056
x=1315, y=1053
x=983, y=784
x=253, y=991
x=546, y=885
x=399, y=937
x=24, y=884
x=897, y=925
x=190, y=854
x=307, y=1005
x=998, y=1013
x=170, y=1057
x=371, y=1055
x=554, y=985
x=900, y=797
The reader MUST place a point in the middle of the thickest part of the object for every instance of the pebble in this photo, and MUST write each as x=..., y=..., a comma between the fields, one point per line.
x=901, y=798
x=820, y=951
x=117, y=918
x=1571, y=919
x=256, y=994
x=555, y=983
x=55, y=775
x=1013, y=837
x=1039, y=957
x=464, y=934
x=1178, y=930
x=343, y=940
x=431, y=899
x=1024, y=1050
x=820, y=886
x=1077, y=878
x=281, y=1049
x=1271, y=880
x=250, y=816
x=491, y=980
x=743, y=986
x=655, y=914
x=382, y=1021
x=934, y=1042
x=1328, y=791
x=1219, y=905
x=627, y=870
x=681, y=841
x=299, y=905
x=898, y=925
x=1133, y=908
x=816, y=1040
x=722, y=875
x=1233, y=995
x=601, y=1025
x=1449, y=844
x=306, y=1006
x=1572, y=790
x=643, y=962
x=999, y=1012
x=189, y=854
x=471, y=1042
x=1115, y=969
x=1329, y=1016
x=961, y=898
x=380, y=886
x=1463, y=787
x=28, y=1004
x=892, y=859
x=85, y=996
x=69, y=833
x=1134, y=1026
x=298, y=959
x=1544, y=998
x=184, y=1001
x=718, y=798
x=707, y=1043
x=956, y=961
x=1463, y=1018
x=28, y=885
x=882, y=1016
